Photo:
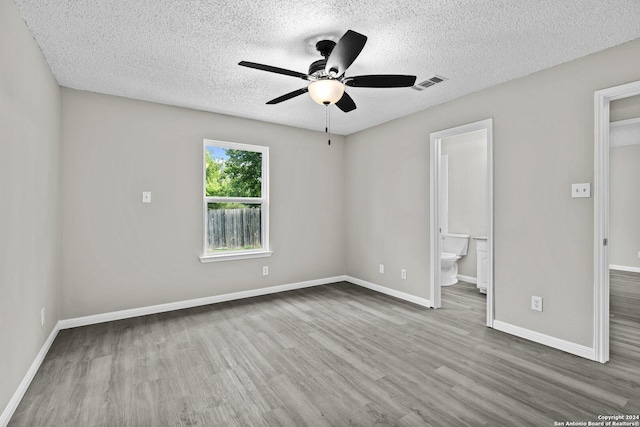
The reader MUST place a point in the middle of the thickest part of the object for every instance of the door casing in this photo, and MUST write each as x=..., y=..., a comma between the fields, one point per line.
x=435, y=150
x=602, y=100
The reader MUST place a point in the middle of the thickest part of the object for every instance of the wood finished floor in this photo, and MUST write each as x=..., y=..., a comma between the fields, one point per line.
x=333, y=355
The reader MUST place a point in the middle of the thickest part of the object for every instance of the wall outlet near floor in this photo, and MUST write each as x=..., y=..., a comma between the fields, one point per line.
x=265, y=270
x=638, y=254
x=536, y=303
x=42, y=316
x=146, y=197
x=403, y=274
x=381, y=268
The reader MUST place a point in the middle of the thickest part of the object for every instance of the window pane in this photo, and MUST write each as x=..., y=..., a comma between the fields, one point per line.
x=233, y=226
x=233, y=173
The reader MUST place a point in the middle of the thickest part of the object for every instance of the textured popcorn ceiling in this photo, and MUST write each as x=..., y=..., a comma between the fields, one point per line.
x=185, y=53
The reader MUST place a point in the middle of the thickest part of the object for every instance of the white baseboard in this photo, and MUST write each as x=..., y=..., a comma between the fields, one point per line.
x=468, y=279
x=388, y=291
x=624, y=268
x=179, y=305
x=26, y=381
x=557, y=343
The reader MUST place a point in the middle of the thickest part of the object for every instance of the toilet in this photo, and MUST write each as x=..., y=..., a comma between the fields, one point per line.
x=453, y=247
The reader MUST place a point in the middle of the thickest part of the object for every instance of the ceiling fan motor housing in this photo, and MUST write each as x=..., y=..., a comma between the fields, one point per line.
x=317, y=67
x=325, y=47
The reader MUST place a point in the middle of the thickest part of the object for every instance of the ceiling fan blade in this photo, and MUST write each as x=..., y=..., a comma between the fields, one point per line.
x=381, y=80
x=288, y=96
x=346, y=104
x=345, y=52
x=271, y=69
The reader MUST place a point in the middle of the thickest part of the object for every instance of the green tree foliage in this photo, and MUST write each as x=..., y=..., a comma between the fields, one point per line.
x=217, y=183
x=240, y=175
x=244, y=171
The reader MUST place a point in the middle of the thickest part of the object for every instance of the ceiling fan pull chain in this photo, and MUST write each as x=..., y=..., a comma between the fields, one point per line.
x=327, y=128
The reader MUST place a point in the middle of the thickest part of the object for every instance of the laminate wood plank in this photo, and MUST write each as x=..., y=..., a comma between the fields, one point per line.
x=334, y=355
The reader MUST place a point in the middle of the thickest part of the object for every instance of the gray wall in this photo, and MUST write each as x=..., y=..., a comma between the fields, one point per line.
x=543, y=142
x=29, y=200
x=467, y=192
x=118, y=253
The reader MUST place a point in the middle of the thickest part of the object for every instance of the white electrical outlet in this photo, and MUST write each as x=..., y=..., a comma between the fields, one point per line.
x=42, y=316
x=536, y=303
x=265, y=270
x=403, y=274
x=381, y=268
x=638, y=254
x=146, y=197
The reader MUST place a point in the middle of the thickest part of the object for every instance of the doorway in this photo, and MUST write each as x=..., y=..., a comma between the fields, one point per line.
x=440, y=224
x=602, y=101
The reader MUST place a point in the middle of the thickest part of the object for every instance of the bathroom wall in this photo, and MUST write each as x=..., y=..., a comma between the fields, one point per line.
x=467, y=210
x=624, y=187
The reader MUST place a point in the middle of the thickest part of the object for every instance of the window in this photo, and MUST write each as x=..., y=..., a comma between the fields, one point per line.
x=236, y=201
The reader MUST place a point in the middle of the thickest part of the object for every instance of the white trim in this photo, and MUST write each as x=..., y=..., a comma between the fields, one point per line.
x=434, y=222
x=624, y=268
x=235, y=255
x=179, y=305
x=435, y=166
x=468, y=279
x=26, y=381
x=388, y=291
x=602, y=99
x=557, y=343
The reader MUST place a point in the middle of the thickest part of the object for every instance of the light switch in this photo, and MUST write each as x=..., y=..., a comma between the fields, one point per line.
x=581, y=190
x=146, y=197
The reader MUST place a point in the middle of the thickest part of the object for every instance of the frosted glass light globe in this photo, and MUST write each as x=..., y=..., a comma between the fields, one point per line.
x=327, y=91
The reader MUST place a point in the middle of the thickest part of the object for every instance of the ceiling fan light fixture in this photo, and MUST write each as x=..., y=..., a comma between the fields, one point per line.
x=326, y=91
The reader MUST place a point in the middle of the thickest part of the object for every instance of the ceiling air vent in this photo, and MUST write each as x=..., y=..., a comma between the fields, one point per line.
x=429, y=82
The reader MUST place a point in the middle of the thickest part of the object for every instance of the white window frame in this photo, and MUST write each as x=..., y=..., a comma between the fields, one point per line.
x=263, y=201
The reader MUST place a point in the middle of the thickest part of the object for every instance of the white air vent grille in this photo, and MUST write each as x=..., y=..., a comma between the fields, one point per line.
x=429, y=82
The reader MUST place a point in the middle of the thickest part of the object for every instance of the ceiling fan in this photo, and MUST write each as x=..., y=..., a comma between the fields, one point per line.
x=327, y=75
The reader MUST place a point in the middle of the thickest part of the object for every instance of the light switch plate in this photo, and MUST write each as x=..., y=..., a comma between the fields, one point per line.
x=581, y=190
x=146, y=197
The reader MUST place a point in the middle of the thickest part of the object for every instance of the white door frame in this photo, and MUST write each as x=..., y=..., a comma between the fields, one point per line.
x=602, y=99
x=436, y=140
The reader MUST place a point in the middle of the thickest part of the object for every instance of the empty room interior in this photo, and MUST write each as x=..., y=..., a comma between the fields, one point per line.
x=327, y=214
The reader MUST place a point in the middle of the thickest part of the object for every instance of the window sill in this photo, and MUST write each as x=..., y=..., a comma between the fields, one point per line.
x=234, y=256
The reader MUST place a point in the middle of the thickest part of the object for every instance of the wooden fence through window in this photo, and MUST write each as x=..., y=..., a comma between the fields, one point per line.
x=233, y=229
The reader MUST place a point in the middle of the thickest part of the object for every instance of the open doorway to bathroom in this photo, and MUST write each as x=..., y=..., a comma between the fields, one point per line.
x=462, y=219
